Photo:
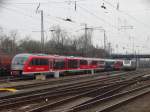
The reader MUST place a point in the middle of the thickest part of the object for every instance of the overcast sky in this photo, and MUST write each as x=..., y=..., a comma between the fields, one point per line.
x=21, y=15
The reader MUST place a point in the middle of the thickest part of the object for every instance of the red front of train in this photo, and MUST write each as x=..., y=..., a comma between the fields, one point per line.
x=29, y=64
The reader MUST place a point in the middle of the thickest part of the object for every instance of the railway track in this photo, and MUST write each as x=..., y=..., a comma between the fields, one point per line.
x=56, y=84
x=65, y=86
x=59, y=94
x=78, y=98
x=106, y=100
x=6, y=79
x=67, y=91
x=13, y=79
x=111, y=102
x=63, y=80
x=10, y=78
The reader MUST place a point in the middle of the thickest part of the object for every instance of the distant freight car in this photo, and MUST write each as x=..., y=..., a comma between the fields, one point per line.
x=5, y=64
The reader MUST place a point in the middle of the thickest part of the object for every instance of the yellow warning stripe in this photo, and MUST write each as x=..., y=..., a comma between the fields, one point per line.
x=8, y=89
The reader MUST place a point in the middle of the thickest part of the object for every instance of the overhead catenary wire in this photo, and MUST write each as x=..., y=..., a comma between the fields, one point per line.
x=18, y=11
x=101, y=19
x=47, y=2
x=131, y=17
x=125, y=13
x=55, y=19
x=24, y=14
x=32, y=16
x=28, y=3
x=134, y=18
x=91, y=13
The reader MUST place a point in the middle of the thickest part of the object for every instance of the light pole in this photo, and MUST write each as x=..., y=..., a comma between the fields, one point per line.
x=102, y=29
x=137, y=57
x=87, y=40
x=104, y=37
x=42, y=28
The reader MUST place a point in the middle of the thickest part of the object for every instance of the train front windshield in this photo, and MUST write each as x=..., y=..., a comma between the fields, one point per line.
x=19, y=60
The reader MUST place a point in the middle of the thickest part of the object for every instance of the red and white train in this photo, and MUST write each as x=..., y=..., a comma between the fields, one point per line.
x=33, y=64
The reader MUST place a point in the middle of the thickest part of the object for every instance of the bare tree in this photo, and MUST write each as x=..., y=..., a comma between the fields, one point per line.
x=59, y=38
x=61, y=43
x=14, y=36
x=29, y=46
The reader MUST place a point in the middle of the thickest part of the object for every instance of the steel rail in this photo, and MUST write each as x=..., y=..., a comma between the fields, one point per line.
x=66, y=85
x=99, y=101
x=72, y=89
x=78, y=86
x=115, y=87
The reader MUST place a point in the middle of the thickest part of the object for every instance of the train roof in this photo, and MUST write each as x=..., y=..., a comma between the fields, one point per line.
x=113, y=60
x=23, y=54
x=61, y=57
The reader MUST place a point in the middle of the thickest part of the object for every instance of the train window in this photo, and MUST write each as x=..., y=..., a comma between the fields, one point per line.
x=72, y=64
x=34, y=62
x=83, y=62
x=127, y=62
x=59, y=64
x=44, y=62
x=19, y=60
x=119, y=63
x=110, y=62
x=38, y=61
x=94, y=62
x=101, y=62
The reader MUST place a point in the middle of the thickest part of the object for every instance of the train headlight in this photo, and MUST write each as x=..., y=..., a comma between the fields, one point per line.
x=29, y=68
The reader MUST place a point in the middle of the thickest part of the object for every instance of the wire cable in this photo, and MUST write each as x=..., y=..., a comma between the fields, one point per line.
x=125, y=13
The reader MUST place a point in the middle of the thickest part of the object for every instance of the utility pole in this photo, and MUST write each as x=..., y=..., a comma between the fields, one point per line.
x=86, y=38
x=104, y=39
x=129, y=27
x=96, y=28
x=42, y=33
x=86, y=31
x=104, y=31
x=109, y=48
x=42, y=28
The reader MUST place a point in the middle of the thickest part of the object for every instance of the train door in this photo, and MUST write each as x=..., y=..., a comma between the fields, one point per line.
x=51, y=64
x=59, y=64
